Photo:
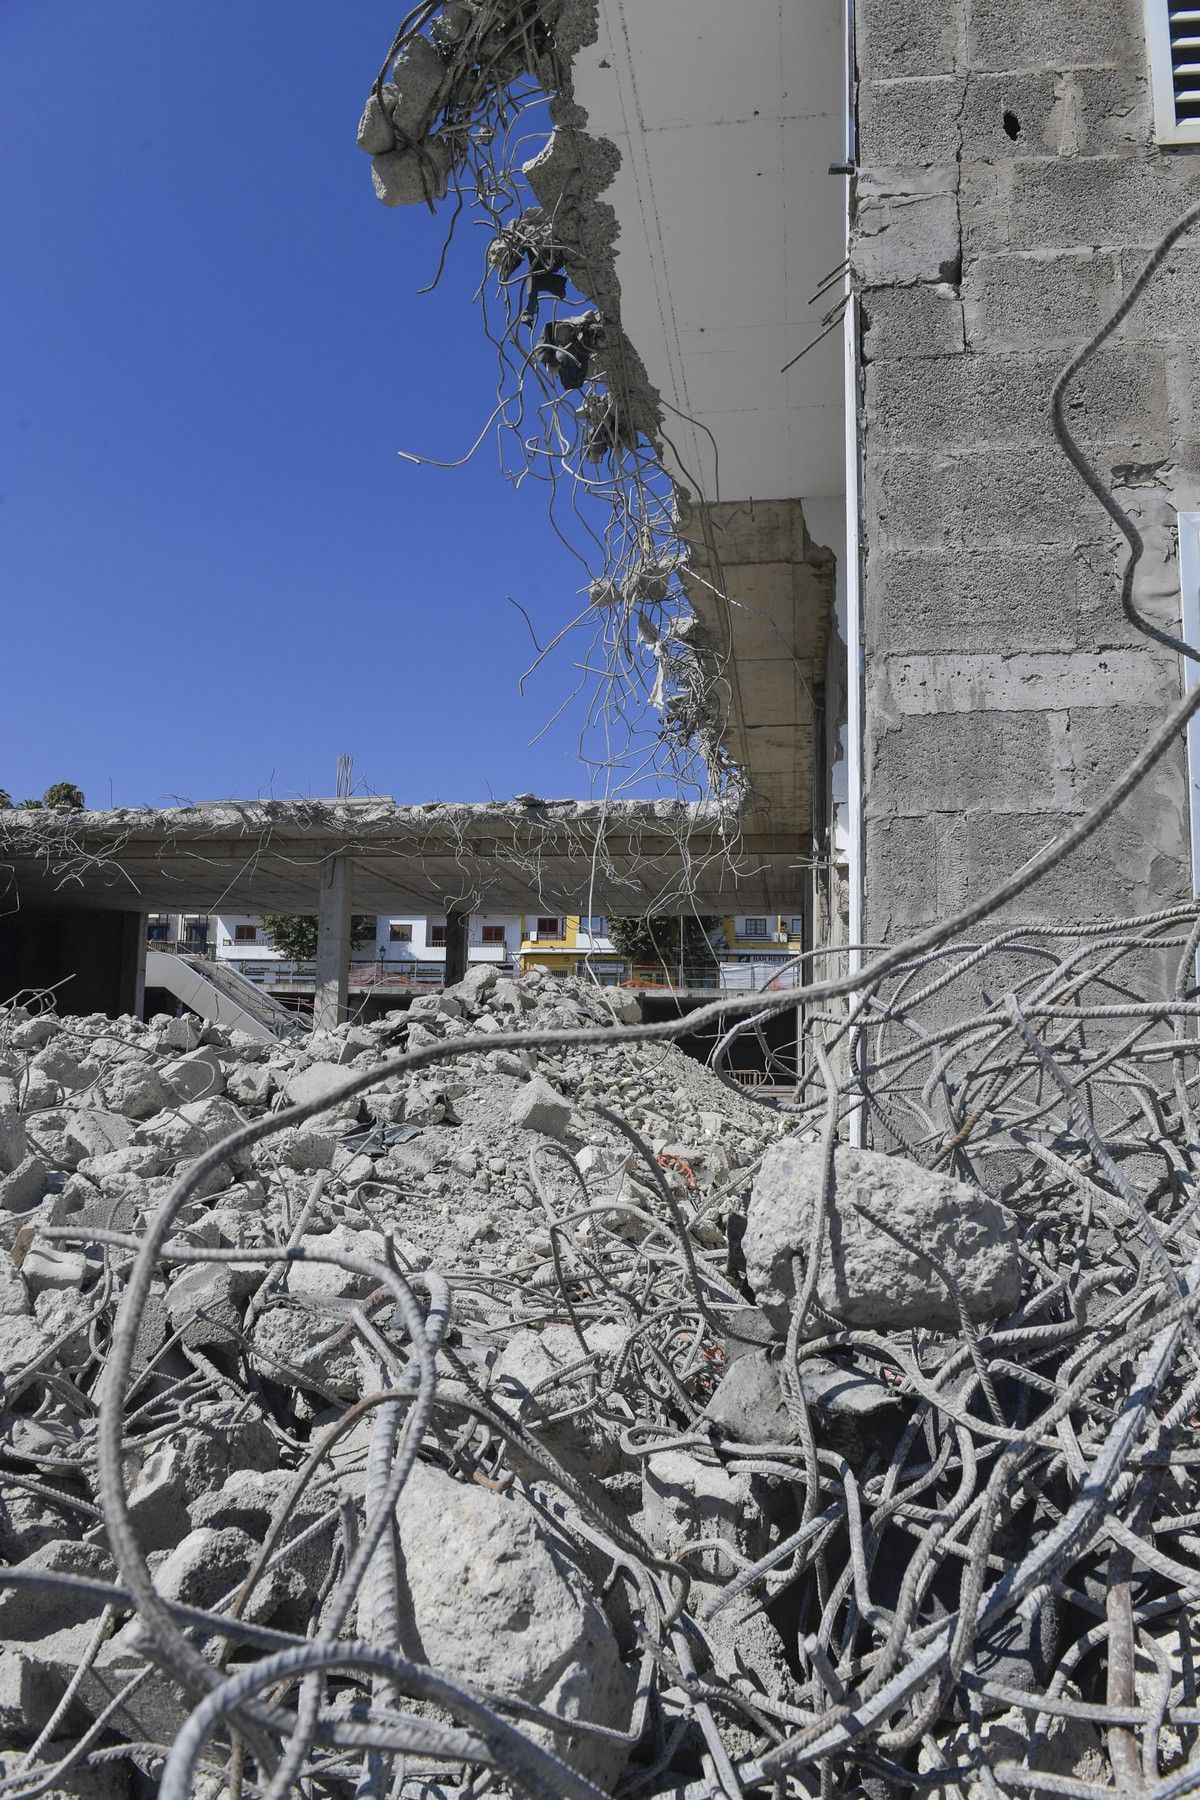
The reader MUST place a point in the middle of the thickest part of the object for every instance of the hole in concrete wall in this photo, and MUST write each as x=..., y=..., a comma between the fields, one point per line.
x=1012, y=125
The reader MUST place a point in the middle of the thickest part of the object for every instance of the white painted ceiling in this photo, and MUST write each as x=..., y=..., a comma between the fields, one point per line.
x=727, y=115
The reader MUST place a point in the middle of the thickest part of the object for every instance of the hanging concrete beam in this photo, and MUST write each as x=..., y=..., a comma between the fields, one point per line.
x=458, y=925
x=333, y=944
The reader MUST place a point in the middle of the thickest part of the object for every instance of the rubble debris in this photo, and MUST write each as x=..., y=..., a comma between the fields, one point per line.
x=450, y=1389
x=900, y=1246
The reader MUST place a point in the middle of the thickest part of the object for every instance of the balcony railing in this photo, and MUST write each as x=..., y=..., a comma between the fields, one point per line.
x=726, y=978
x=395, y=976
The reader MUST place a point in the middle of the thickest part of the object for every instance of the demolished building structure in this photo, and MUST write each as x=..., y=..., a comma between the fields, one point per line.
x=608, y=1431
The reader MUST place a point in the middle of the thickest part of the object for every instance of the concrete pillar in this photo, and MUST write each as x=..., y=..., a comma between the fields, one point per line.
x=458, y=922
x=333, y=944
x=133, y=963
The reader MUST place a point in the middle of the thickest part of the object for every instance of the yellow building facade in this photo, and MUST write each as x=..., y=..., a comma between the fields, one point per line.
x=574, y=944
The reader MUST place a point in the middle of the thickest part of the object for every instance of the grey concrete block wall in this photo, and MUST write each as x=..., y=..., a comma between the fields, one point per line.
x=1007, y=192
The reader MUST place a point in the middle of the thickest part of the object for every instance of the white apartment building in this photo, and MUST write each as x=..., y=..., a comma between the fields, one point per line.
x=403, y=945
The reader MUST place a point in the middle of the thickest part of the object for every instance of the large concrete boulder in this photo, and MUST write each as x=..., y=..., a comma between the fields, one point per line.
x=868, y=1277
x=489, y=1596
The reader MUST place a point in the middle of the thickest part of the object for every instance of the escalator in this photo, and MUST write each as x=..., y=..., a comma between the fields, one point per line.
x=221, y=996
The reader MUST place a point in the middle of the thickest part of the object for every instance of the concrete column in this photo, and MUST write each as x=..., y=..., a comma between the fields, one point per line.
x=133, y=964
x=333, y=944
x=458, y=923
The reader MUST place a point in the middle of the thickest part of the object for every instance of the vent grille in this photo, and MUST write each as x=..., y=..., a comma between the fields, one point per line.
x=1183, y=25
x=1173, y=41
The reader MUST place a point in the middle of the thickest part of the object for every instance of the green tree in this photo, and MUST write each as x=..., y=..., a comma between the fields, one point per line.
x=296, y=933
x=60, y=796
x=674, y=943
x=64, y=796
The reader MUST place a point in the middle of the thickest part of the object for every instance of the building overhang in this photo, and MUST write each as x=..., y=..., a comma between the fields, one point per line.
x=728, y=226
x=253, y=857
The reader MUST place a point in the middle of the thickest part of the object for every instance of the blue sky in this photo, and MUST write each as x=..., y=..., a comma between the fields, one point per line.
x=216, y=574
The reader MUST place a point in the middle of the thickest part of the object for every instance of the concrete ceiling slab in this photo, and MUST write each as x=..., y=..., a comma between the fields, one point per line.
x=726, y=119
x=255, y=857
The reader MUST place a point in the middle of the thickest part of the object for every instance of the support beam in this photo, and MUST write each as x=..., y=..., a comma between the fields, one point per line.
x=333, y=944
x=133, y=964
x=457, y=927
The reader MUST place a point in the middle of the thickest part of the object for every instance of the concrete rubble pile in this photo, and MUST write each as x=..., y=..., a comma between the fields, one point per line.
x=487, y=1402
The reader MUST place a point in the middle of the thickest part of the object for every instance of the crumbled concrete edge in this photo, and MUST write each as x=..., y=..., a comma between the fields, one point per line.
x=568, y=179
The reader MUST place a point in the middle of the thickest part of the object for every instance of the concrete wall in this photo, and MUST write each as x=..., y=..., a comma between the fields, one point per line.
x=1008, y=190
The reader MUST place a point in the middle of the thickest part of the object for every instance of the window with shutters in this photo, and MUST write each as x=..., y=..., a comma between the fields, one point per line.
x=1173, y=41
x=492, y=934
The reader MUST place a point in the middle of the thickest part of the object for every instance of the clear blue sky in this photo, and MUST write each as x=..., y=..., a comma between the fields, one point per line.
x=215, y=572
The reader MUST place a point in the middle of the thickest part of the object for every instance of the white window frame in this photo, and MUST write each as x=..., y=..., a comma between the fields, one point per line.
x=1168, y=128
x=1189, y=592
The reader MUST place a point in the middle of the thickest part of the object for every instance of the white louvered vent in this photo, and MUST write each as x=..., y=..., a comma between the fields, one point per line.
x=1173, y=40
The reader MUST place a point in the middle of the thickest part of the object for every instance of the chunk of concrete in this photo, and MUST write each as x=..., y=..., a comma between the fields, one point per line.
x=13, y=1147
x=21, y=1342
x=31, y=1034
x=249, y=1500
x=93, y=1132
x=197, y=1076
x=45, y=1267
x=62, y=1063
x=376, y=133
x=249, y=1086
x=479, y=980
x=205, y=1302
x=852, y=1412
x=318, y=1082
x=135, y=1091
x=326, y=1281
x=417, y=74
x=530, y=1380
x=867, y=1278
x=538, y=1108
x=685, y=1498
x=39, y=1093
x=24, y=1187
x=29, y=1692
x=163, y=1480
x=301, y=1349
x=182, y=1033
x=28, y=1613
x=749, y=1403
x=488, y=1596
x=407, y=177
x=204, y=1565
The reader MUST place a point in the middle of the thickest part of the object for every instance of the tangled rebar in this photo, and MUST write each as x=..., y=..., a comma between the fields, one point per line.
x=990, y=1586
